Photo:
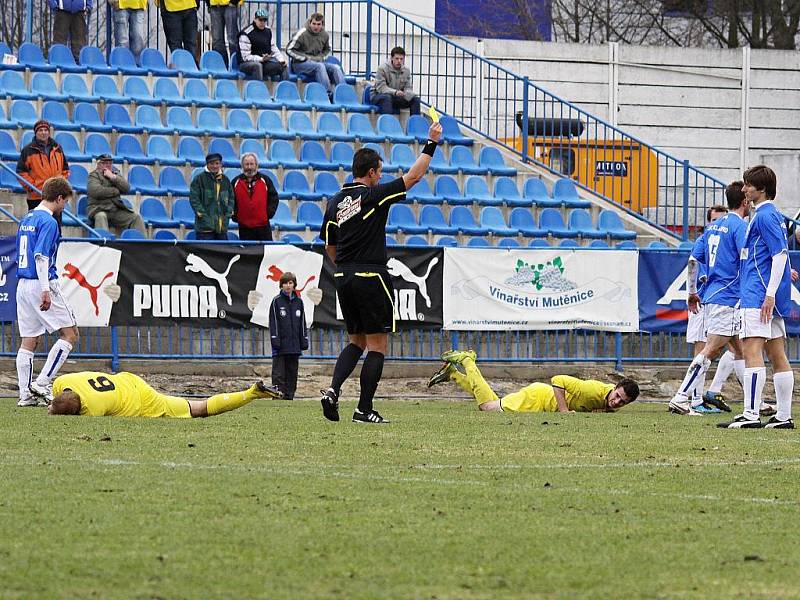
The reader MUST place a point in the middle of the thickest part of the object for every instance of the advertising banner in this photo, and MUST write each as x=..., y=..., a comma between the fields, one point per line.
x=8, y=279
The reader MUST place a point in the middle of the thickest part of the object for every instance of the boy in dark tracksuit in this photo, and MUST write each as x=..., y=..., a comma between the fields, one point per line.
x=289, y=336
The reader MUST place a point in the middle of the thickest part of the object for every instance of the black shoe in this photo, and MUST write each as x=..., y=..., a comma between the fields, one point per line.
x=741, y=422
x=767, y=410
x=269, y=391
x=368, y=417
x=716, y=400
x=330, y=404
x=774, y=423
x=442, y=375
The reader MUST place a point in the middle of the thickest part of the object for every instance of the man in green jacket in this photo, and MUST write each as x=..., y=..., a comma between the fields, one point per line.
x=211, y=197
x=104, y=190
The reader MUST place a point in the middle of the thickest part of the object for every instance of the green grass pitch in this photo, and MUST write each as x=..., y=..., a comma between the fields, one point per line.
x=271, y=501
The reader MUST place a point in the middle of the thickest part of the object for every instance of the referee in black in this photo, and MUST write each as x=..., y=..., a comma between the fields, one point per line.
x=354, y=232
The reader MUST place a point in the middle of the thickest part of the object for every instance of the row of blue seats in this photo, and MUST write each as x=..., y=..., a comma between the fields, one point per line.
x=195, y=93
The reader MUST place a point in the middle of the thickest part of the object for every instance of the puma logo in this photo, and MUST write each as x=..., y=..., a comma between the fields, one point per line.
x=74, y=273
x=399, y=269
x=195, y=264
x=275, y=273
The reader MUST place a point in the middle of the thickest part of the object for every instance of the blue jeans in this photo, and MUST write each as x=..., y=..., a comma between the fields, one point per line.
x=327, y=74
x=129, y=29
x=224, y=20
x=390, y=103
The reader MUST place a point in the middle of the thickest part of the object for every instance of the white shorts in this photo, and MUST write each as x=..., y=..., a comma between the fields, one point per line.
x=33, y=322
x=722, y=320
x=753, y=327
x=695, y=332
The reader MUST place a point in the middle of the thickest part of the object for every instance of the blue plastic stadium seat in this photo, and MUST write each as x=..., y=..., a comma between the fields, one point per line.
x=210, y=121
x=287, y=96
x=553, y=223
x=154, y=214
x=184, y=63
x=379, y=149
x=43, y=86
x=12, y=85
x=539, y=243
x=230, y=158
x=255, y=147
x=282, y=153
x=132, y=234
x=564, y=191
x=104, y=234
x=657, y=245
x=416, y=240
x=580, y=222
x=326, y=185
x=180, y=121
x=627, y=245
x=80, y=214
x=92, y=59
x=522, y=220
x=310, y=214
x=301, y=126
x=78, y=176
x=359, y=127
x=506, y=189
x=391, y=241
x=447, y=241
x=611, y=225
x=330, y=127
x=331, y=59
x=256, y=94
x=493, y=221
x=211, y=62
x=148, y=120
x=536, y=192
x=167, y=92
x=686, y=245
x=239, y=122
x=164, y=235
x=317, y=96
x=461, y=158
x=342, y=155
x=345, y=97
x=182, y=212
x=491, y=159
x=283, y=219
x=418, y=127
x=60, y=57
x=196, y=92
x=105, y=87
x=422, y=193
x=153, y=62
x=137, y=90
x=9, y=181
x=56, y=114
x=432, y=219
x=295, y=185
x=401, y=218
x=73, y=86
x=227, y=93
x=447, y=188
x=171, y=180
x=568, y=243
x=292, y=238
x=478, y=242
x=598, y=244
x=96, y=144
x=71, y=148
x=191, y=151
x=129, y=148
x=8, y=147
x=123, y=60
x=6, y=123
x=270, y=123
x=160, y=149
x=451, y=132
x=477, y=190
x=389, y=126
x=439, y=163
x=508, y=243
x=402, y=157
x=141, y=180
x=116, y=116
x=31, y=57
x=461, y=217
x=313, y=153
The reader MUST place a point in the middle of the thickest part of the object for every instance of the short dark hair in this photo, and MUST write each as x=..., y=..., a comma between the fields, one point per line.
x=713, y=209
x=364, y=160
x=55, y=187
x=287, y=277
x=630, y=387
x=398, y=50
x=734, y=194
x=763, y=179
x=317, y=17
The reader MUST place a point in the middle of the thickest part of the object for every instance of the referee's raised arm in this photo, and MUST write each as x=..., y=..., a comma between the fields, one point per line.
x=420, y=166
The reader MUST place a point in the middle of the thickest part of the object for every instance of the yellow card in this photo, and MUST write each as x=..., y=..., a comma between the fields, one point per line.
x=433, y=114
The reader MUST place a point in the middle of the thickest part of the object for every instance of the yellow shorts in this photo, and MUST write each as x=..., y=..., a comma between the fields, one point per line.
x=160, y=405
x=536, y=397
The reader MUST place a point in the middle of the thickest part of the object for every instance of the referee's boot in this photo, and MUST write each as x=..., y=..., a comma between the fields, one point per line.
x=43, y=393
x=371, y=416
x=716, y=400
x=330, y=404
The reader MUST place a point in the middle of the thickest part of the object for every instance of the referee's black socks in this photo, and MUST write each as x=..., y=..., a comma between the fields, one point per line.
x=347, y=361
x=371, y=372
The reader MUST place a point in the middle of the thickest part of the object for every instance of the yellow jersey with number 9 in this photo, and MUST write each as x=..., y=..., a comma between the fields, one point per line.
x=103, y=394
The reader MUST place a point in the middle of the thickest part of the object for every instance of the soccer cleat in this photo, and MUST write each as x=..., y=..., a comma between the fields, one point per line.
x=767, y=410
x=330, y=404
x=706, y=410
x=442, y=375
x=741, y=422
x=368, y=417
x=43, y=393
x=679, y=407
x=774, y=423
x=717, y=400
x=29, y=401
x=456, y=356
x=267, y=391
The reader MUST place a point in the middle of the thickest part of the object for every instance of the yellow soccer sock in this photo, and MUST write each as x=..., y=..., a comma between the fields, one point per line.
x=221, y=403
x=474, y=382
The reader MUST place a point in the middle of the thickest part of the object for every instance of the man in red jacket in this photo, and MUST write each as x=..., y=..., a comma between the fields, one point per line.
x=256, y=201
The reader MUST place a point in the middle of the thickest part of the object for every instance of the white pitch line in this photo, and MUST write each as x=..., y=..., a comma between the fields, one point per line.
x=621, y=465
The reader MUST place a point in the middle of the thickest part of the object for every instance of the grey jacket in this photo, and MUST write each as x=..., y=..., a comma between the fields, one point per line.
x=104, y=195
x=389, y=80
x=307, y=45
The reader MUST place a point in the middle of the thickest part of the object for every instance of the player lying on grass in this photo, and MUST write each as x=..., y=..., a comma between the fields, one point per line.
x=96, y=394
x=563, y=394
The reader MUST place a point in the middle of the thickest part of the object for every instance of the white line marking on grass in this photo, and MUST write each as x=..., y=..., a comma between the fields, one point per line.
x=621, y=465
x=703, y=497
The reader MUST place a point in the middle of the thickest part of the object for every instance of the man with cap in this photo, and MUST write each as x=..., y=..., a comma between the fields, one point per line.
x=40, y=160
x=258, y=55
x=105, y=188
x=211, y=197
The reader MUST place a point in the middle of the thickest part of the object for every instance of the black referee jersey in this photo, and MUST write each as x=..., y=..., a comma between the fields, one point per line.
x=355, y=221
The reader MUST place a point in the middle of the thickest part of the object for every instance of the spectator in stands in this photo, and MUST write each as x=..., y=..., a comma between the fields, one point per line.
x=259, y=56
x=255, y=201
x=129, y=18
x=224, y=22
x=308, y=49
x=393, y=90
x=40, y=160
x=105, y=188
x=211, y=196
x=69, y=23
x=180, y=23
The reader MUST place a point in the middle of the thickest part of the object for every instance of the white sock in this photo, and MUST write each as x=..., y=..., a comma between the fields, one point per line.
x=694, y=376
x=24, y=372
x=738, y=368
x=724, y=370
x=784, y=386
x=754, y=380
x=57, y=356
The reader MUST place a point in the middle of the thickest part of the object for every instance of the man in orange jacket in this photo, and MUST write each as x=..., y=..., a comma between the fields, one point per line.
x=40, y=160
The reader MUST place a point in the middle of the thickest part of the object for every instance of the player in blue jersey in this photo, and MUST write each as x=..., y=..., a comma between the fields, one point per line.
x=40, y=305
x=765, y=298
x=720, y=249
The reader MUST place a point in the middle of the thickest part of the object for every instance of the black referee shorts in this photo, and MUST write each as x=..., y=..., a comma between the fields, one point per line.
x=366, y=296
